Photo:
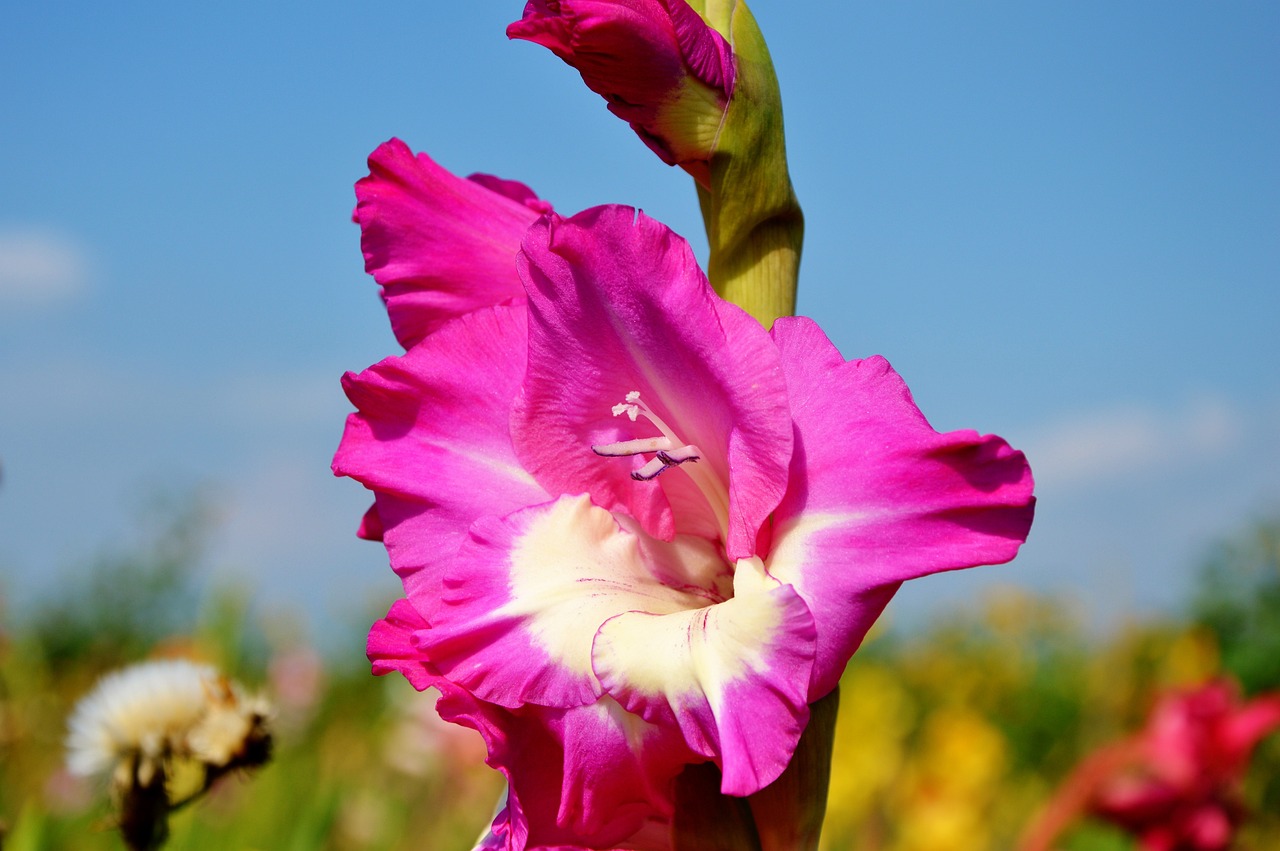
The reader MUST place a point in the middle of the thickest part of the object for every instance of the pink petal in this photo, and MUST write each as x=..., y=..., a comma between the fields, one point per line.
x=732, y=677
x=634, y=51
x=513, y=189
x=390, y=647
x=430, y=438
x=439, y=245
x=705, y=51
x=1246, y=726
x=370, y=525
x=591, y=777
x=618, y=304
x=524, y=598
x=625, y=51
x=877, y=496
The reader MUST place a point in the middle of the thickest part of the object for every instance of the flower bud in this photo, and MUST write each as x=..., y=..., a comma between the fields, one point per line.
x=659, y=65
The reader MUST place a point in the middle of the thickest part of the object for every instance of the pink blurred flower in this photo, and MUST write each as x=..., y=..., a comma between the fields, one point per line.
x=1181, y=790
x=636, y=530
x=297, y=679
x=661, y=68
x=1175, y=785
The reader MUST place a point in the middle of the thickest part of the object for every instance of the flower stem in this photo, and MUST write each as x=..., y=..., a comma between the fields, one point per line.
x=789, y=811
x=705, y=820
x=754, y=224
x=786, y=815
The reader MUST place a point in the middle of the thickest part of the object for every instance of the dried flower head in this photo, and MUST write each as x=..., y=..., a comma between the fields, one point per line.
x=139, y=723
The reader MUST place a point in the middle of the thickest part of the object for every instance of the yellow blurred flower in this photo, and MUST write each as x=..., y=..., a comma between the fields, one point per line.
x=945, y=797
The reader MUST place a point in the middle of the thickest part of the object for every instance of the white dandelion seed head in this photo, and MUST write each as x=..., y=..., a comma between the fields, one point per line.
x=154, y=711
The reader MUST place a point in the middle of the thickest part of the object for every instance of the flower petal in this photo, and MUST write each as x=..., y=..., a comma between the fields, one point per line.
x=592, y=776
x=370, y=525
x=877, y=496
x=525, y=596
x=439, y=245
x=618, y=304
x=430, y=438
x=1248, y=725
x=733, y=677
x=390, y=648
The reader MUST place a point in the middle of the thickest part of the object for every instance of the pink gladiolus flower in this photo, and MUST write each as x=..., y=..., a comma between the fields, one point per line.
x=1179, y=790
x=636, y=530
x=656, y=62
x=1176, y=784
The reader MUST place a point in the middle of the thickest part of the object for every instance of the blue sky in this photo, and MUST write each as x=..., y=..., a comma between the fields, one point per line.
x=1059, y=221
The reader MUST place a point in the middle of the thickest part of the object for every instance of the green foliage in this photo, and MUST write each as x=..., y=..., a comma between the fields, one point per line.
x=1238, y=600
x=127, y=602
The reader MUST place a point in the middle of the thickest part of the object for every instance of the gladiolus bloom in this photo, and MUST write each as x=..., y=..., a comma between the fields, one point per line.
x=1180, y=790
x=638, y=531
x=661, y=68
x=142, y=723
x=1175, y=785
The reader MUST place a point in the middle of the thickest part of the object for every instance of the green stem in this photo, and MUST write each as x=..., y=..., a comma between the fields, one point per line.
x=786, y=815
x=789, y=811
x=754, y=224
x=705, y=820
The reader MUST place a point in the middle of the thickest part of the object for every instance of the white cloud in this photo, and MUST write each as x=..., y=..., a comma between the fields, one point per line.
x=1121, y=441
x=40, y=268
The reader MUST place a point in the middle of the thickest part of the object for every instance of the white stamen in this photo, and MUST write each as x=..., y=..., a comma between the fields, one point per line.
x=632, y=406
x=665, y=460
x=633, y=447
x=670, y=451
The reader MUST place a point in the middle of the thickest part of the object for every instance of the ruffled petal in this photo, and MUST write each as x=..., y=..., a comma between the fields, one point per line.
x=390, y=647
x=439, y=245
x=525, y=596
x=618, y=304
x=513, y=189
x=430, y=438
x=593, y=776
x=733, y=677
x=877, y=496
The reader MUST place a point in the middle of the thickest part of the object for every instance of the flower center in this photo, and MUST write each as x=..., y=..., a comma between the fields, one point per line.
x=668, y=451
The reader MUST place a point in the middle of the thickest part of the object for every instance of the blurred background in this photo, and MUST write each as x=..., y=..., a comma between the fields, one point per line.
x=1060, y=223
